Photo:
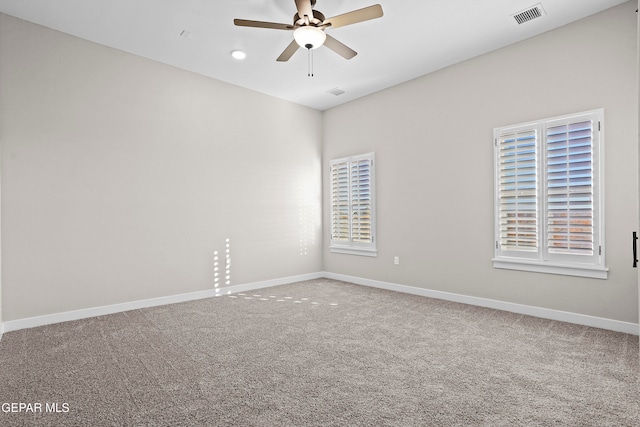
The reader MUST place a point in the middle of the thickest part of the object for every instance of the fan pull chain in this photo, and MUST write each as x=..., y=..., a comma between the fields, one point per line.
x=309, y=61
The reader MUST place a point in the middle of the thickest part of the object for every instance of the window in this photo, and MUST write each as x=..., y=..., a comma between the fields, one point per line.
x=549, y=201
x=353, y=205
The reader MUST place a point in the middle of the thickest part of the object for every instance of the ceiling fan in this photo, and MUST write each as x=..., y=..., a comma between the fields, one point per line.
x=309, y=27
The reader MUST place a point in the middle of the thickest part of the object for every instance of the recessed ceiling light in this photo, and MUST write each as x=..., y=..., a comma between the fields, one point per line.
x=238, y=54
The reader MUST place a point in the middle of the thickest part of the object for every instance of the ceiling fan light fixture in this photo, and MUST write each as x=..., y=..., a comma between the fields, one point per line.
x=309, y=37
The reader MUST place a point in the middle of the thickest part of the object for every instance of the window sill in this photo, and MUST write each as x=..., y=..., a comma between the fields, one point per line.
x=593, y=272
x=354, y=251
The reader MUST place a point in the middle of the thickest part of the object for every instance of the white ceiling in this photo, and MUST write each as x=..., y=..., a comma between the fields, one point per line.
x=413, y=38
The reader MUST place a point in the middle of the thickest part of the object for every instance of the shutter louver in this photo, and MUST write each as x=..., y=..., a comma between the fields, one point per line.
x=570, y=191
x=518, y=190
x=361, y=201
x=340, y=202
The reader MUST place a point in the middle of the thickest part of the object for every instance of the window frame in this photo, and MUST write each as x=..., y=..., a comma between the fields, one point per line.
x=350, y=246
x=542, y=259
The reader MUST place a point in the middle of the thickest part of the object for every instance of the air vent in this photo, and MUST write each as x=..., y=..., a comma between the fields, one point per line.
x=336, y=91
x=529, y=14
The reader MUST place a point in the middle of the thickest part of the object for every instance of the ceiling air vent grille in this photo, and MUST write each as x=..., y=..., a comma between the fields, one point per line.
x=529, y=14
x=336, y=91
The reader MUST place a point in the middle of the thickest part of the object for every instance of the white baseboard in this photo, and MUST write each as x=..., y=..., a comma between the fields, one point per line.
x=545, y=313
x=32, y=322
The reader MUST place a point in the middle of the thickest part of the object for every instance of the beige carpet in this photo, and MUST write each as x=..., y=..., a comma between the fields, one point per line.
x=319, y=353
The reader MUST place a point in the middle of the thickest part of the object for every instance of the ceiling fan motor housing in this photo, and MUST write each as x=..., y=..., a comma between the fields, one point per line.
x=317, y=19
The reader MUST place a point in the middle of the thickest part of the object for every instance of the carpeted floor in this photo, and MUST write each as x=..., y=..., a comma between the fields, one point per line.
x=319, y=353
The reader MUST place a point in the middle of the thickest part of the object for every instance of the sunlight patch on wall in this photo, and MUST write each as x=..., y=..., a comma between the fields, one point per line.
x=216, y=272
x=227, y=262
x=306, y=231
x=227, y=266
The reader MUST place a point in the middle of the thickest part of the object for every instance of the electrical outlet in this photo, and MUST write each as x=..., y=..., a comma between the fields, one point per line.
x=396, y=260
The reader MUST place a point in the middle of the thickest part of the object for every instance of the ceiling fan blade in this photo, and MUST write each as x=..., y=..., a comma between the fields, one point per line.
x=262, y=24
x=355, y=16
x=339, y=48
x=304, y=8
x=288, y=52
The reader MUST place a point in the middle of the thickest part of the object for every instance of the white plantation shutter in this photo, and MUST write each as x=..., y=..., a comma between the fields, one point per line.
x=570, y=188
x=518, y=189
x=361, y=201
x=352, y=205
x=340, y=202
x=549, y=200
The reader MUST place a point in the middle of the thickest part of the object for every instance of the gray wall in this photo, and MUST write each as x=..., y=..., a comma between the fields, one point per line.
x=122, y=176
x=433, y=142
